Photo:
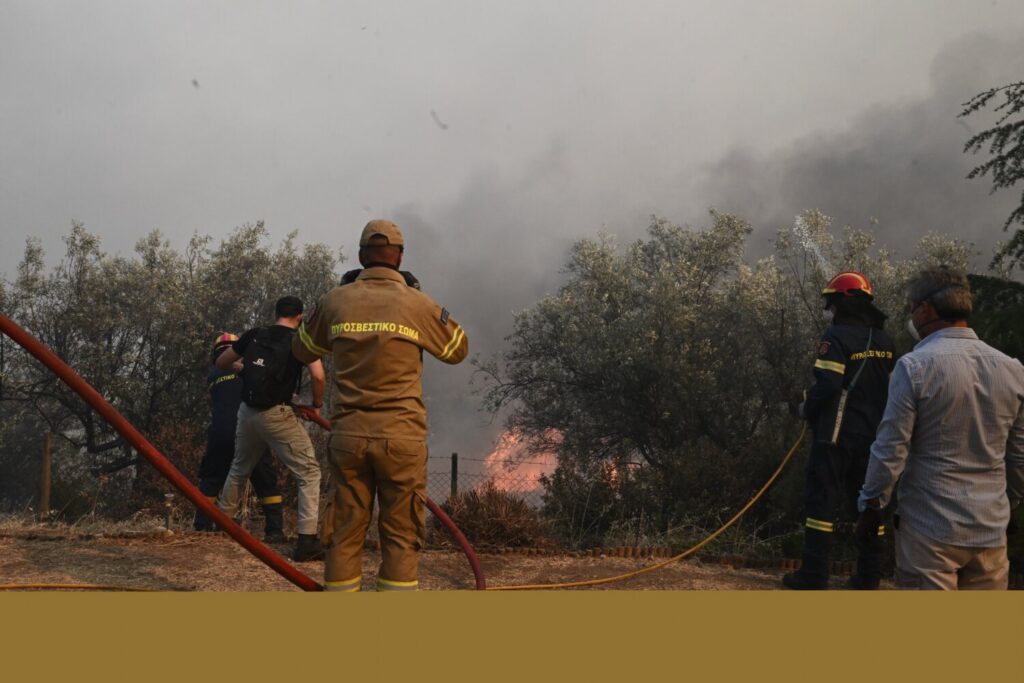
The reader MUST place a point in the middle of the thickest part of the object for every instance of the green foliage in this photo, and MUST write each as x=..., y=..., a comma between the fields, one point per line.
x=998, y=315
x=1005, y=142
x=140, y=329
x=661, y=375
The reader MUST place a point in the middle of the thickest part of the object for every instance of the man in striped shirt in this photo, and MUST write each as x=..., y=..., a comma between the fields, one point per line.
x=954, y=429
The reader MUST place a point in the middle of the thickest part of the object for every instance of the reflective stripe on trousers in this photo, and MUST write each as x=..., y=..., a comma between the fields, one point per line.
x=386, y=585
x=347, y=586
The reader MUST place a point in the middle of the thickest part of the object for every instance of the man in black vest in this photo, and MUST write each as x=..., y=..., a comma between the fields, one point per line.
x=270, y=375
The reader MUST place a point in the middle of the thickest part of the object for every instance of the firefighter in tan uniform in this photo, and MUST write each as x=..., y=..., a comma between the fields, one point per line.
x=376, y=330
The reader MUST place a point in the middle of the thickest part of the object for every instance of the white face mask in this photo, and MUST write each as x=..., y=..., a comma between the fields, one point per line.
x=828, y=315
x=913, y=330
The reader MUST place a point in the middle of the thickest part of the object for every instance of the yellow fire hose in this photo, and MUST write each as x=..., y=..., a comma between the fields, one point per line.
x=686, y=553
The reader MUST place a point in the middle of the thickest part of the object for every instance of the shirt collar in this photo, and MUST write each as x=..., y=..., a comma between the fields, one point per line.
x=381, y=273
x=948, y=333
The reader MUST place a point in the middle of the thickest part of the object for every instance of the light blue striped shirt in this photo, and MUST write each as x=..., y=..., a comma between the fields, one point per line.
x=954, y=428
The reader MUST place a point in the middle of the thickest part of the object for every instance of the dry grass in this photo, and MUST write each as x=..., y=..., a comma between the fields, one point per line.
x=213, y=562
x=491, y=517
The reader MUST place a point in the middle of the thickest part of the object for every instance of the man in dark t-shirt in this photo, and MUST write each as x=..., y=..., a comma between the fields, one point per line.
x=270, y=374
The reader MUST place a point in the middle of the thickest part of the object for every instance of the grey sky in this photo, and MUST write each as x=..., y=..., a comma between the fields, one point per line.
x=495, y=133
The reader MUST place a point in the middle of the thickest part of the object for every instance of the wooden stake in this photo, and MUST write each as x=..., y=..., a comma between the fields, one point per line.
x=45, y=474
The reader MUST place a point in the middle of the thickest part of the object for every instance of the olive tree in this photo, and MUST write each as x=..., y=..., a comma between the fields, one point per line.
x=662, y=374
x=140, y=327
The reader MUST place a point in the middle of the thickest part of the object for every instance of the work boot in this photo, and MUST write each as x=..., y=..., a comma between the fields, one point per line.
x=274, y=537
x=273, y=523
x=813, y=572
x=202, y=523
x=308, y=548
x=856, y=582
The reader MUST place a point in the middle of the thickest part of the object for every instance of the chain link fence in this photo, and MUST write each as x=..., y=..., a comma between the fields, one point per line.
x=444, y=483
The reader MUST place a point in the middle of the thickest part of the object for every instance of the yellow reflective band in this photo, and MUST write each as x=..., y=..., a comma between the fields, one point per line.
x=346, y=586
x=387, y=585
x=307, y=341
x=270, y=500
x=881, y=530
x=454, y=343
x=830, y=365
x=819, y=525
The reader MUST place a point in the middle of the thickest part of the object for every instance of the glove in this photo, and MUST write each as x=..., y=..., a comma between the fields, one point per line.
x=868, y=523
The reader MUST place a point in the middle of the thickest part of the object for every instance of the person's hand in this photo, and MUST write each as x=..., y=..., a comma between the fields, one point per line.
x=868, y=523
x=237, y=366
x=306, y=412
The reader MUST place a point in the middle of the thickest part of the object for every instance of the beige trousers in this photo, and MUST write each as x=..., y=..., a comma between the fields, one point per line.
x=279, y=429
x=395, y=472
x=924, y=564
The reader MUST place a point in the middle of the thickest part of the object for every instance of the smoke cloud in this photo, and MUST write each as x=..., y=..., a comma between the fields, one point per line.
x=901, y=164
x=501, y=245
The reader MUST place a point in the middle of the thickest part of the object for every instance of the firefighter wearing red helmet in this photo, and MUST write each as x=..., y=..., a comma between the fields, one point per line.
x=844, y=408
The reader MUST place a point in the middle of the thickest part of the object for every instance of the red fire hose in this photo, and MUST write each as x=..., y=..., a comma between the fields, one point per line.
x=179, y=481
x=155, y=458
x=310, y=414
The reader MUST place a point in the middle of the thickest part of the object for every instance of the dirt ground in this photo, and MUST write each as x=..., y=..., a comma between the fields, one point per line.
x=213, y=562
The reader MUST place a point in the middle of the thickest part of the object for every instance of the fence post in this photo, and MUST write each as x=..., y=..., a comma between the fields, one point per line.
x=44, y=479
x=455, y=475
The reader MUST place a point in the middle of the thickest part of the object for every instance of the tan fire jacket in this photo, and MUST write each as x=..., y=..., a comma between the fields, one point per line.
x=376, y=330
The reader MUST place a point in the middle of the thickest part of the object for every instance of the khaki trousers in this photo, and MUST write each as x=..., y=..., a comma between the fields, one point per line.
x=279, y=429
x=395, y=471
x=924, y=564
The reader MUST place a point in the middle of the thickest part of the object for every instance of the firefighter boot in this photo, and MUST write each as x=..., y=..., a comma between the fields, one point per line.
x=273, y=523
x=308, y=548
x=869, y=565
x=813, y=572
x=201, y=522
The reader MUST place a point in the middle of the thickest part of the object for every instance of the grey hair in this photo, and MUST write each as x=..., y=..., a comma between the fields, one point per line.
x=945, y=288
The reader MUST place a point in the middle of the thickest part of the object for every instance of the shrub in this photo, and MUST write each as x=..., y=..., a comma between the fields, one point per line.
x=489, y=516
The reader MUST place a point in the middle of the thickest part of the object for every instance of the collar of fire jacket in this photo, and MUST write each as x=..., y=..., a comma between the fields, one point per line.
x=381, y=273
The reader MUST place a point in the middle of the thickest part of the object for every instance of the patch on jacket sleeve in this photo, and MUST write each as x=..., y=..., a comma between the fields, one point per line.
x=823, y=349
x=444, y=316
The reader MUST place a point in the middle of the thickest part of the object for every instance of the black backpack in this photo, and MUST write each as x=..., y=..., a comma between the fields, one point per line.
x=268, y=375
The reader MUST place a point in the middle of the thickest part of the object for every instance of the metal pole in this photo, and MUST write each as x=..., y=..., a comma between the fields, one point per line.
x=45, y=474
x=455, y=475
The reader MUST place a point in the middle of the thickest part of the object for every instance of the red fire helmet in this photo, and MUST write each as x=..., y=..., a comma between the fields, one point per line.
x=225, y=339
x=848, y=284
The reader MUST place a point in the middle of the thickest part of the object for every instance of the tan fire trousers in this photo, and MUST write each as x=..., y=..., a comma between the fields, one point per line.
x=395, y=471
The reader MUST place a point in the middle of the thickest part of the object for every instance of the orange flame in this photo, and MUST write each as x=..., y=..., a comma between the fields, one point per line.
x=520, y=477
